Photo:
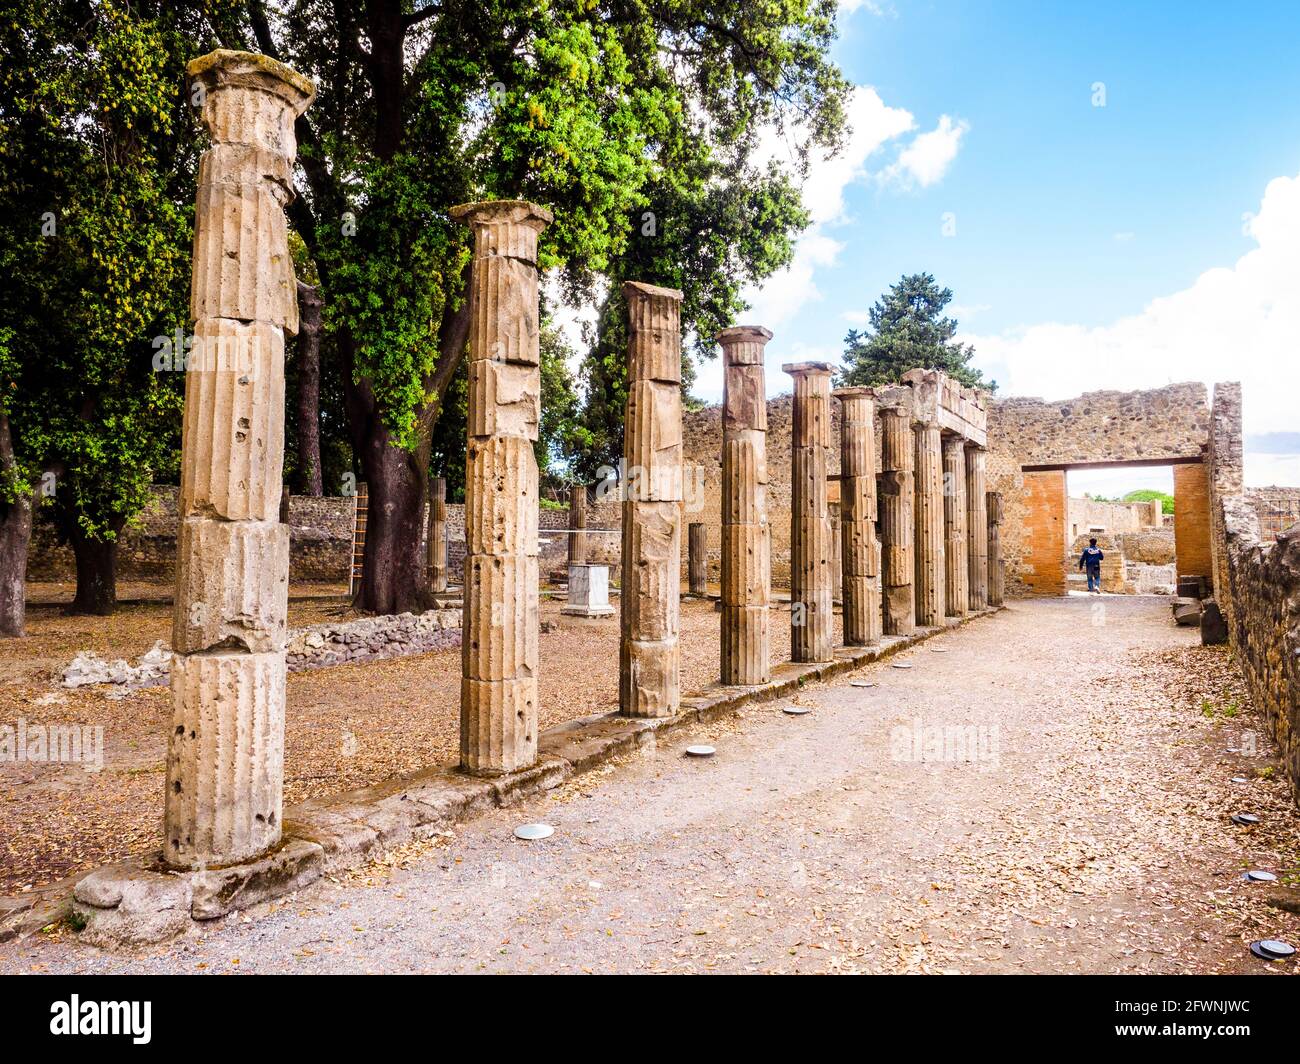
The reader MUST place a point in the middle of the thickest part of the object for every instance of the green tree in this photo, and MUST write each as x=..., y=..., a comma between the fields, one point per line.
x=908, y=332
x=1151, y=495
x=97, y=156
x=583, y=107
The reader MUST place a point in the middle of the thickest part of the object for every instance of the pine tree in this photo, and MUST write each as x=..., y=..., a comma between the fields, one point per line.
x=907, y=332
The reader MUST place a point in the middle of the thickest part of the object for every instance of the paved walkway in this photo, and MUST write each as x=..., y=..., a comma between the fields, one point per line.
x=1042, y=790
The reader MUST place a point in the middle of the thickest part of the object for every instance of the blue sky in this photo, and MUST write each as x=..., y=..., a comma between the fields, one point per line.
x=1151, y=239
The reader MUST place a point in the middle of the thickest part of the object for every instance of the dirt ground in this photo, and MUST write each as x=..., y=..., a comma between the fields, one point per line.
x=345, y=727
x=1074, y=817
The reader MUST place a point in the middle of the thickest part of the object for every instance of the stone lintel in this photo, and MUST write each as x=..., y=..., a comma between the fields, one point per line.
x=809, y=368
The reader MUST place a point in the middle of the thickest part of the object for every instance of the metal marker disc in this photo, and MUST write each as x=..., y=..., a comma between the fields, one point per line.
x=901, y=665
x=532, y=832
x=796, y=711
x=1245, y=818
x=1240, y=779
x=1270, y=949
x=1258, y=876
x=863, y=683
x=938, y=650
x=700, y=750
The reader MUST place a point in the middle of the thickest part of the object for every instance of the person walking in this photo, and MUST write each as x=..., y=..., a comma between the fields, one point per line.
x=1090, y=559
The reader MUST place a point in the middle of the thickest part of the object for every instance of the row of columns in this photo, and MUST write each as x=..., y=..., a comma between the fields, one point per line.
x=225, y=754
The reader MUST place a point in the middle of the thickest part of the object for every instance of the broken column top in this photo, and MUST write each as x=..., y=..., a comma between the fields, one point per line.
x=740, y=333
x=225, y=69
x=505, y=228
x=812, y=368
x=654, y=332
x=743, y=344
x=855, y=392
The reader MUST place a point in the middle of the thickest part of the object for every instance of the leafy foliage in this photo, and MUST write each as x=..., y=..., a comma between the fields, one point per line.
x=908, y=332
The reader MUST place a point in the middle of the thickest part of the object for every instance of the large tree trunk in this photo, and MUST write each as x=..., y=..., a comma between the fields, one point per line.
x=15, y=536
x=392, y=581
x=96, y=573
x=309, y=314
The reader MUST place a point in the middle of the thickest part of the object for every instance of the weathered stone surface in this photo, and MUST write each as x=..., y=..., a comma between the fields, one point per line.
x=811, y=617
x=697, y=551
x=1214, y=629
x=956, y=543
x=125, y=905
x=436, y=543
x=860, y=550
x=219, y=892
x=500, y=628
x=996, y=564
x=499, y=631
x=652, y=452
x=588, y=592
x=498, y=725
x=225, y=758
x=232, y=435
x=897, y=535
x=577, y=522
x=225, y=755
x=746, y=536
x=654, y=333
x=232, y=585
x=929, y=550
x=977, y=530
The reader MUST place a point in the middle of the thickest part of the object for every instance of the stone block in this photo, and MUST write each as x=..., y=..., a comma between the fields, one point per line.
x=648, y=677
x=653, y=441
x=232, y=437
x=225, y=758
x=498, y=725
x=747, y=574
x=232, y=585
x=500, y=627
x=501, y=504
x=504, y=399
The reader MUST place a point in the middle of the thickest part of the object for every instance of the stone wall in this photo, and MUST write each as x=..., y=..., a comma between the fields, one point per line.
x=1169, y=424
x=1257, y=585
x=320, y=542
x=1278, y=509
x=1092, y=515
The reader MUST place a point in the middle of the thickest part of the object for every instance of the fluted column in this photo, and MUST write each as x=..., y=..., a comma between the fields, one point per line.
x=498, y=687
x=437, y=542
x=860, y=549
x=652, y=530
x=929, y=553
x=578, y=523
x=897, y=513
x=746, y=536
x=977, y=528
x=955, y=544
x=697, y=558
x=225, y=751
x=997, y=568
x=811, y=611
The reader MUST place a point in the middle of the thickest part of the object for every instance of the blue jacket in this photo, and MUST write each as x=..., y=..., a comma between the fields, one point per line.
x=1091, y=557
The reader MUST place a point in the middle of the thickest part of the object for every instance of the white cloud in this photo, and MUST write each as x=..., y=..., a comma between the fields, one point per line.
x=927, y=158
x=1233, y=323
x=873, y=124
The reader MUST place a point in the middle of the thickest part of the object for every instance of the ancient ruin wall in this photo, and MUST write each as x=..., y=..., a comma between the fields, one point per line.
x=1164, y=424
x=1257, y=585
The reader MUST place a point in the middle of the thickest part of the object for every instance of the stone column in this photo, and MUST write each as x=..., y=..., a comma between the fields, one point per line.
x=746, y=536
x=929, y=527
x=437, y=545
x=697, y=558
x=837, y=560
x=955, y=544
x=977, y=526
x=498, y=688
x=997, y=569
x=225, y=751
x=811, y=611
x=652, y=529
x=860, y=548
x=897, y=535
x=577, y=522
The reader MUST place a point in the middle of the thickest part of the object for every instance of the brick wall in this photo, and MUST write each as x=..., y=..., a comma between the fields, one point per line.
x=1192, y=521
x=1042, y=564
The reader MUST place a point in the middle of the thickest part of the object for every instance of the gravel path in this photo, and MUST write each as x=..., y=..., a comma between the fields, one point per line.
x=1075, y=822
